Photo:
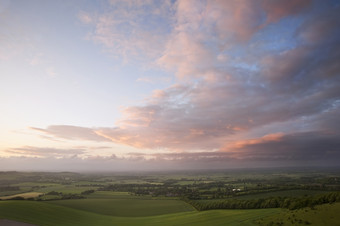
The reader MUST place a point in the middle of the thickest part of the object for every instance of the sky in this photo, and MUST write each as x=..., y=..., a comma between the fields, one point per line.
x=117, y=85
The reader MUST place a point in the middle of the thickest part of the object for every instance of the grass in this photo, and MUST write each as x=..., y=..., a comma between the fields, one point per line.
x=212, y=217
x=42, y=213
x=190, y=182
x=111, y=195
x=49, y=214
x=322, y=215
x=127, y=207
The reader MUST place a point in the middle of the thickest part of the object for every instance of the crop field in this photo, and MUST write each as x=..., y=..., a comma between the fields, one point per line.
x=10, y=193
x=26, y=195
x=127, y=207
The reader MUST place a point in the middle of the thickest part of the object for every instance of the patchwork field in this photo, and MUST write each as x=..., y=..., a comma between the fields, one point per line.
x=189, y=198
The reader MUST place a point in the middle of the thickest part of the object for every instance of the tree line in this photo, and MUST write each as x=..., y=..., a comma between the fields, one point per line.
x=291, y=203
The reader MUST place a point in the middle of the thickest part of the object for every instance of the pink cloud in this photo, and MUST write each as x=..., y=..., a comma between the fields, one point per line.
x=226, y=23
x=243, y=143
x=278, y=9
x=239, y=20
x=71, y=132
x=185, y=55
x=270, y=152
x=234, y=20
x=30, y=151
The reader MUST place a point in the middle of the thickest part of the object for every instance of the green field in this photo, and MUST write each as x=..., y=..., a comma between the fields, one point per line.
x=113, y=195
x=42, y=213
x=127, y=207
x=122, y=204
x=322, y=215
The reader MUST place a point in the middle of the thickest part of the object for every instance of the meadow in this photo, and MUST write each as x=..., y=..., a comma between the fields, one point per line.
x=172, y=198
x=42, y=213
x=326, y=214
x=125, y=206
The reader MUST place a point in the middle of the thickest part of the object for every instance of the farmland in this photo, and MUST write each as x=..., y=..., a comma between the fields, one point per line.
x=26, y=195
x=126, y=207
x=239, y=197
x=42, y=213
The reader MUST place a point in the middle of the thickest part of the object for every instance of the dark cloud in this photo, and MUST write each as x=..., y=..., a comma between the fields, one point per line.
x=278, y=9
x=239, y=20
x=300, y=147
x=325, y=26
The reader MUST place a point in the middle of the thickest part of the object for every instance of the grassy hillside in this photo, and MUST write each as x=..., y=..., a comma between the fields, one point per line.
x=42, y=213
x=127, y=207
x=122, y=204
x=322, y=215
